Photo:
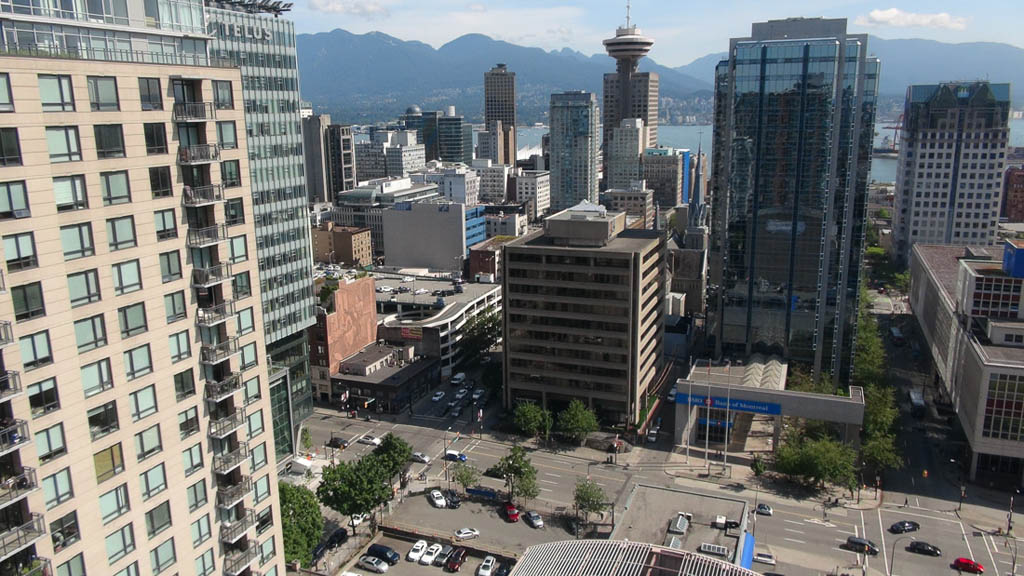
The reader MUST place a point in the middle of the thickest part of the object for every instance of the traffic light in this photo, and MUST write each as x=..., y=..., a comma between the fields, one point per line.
x=924, y=473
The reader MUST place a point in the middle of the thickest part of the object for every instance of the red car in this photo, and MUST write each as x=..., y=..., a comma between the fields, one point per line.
x=968, y=565
x=511, y=512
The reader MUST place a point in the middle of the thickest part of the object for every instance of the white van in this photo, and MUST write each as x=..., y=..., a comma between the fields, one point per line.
x=458, y=379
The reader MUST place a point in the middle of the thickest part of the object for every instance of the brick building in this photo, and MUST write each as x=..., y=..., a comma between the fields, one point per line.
x=1013, y=194
x=352, y=245
x=345, y=324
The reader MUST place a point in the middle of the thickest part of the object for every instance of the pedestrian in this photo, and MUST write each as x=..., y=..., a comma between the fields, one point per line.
x=906, y=502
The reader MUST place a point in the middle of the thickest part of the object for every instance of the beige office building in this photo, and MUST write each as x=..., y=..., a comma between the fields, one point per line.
x=583, y=313
x=137, y=431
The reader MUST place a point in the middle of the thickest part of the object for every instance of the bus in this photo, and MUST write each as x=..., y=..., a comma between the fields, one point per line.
x=917, y=407
x=897, y=336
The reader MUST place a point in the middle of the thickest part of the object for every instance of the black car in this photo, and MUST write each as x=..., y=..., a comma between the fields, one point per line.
x=922, y=547
x=904, y=526
x=337, y=442
x=503, y=569
x=319, y=551
x=337, y=538
x=452, y=499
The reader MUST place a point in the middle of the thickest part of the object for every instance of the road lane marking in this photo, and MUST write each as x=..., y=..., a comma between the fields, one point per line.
x=549, y=482
x=989, y=550
x=885, y=558
x=966, y=541
x=845, y=550
x=550, y=474
x=795, y=522
x=795, y=540
x=795, y=531
x=546, y=490
x=903, y=512
x=600, y=484
x=864, y=530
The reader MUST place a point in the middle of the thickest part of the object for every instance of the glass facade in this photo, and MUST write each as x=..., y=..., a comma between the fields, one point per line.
x=1004, y=407
x=575, y=140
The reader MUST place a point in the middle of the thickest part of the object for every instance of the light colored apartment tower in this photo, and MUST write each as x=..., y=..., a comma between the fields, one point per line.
x=623, y=152
x=339, y=160
x=575, y=142
x=404, y=155
x=493, y=180
x=136, y=389
x=953, y=146
x=534, y=186
x=628, y=93
x=500, y=114
x=663, y=171
x=583, y=313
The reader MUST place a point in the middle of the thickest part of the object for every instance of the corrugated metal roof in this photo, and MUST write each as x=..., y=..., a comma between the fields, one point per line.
x=619, y=558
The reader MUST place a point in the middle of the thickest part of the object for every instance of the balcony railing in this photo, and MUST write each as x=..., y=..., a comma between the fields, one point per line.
x=20, y=537
x=221, y=427
x=36, y=567
x=210, y=316
x=203, y=237
x=217, y=391
x=13, y=436
x=6, y=333
x=195, y=196
x=198, y=154
x=236, y=562
x=188, y=111
x=17, y=487
x=206, y=277
x=228, y=461
x=228, y=496
x=10, y=385
x=217, y=353
x=231, y=531
x=111, y=55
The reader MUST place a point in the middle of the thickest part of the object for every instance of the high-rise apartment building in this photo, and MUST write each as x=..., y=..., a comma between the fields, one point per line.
x=788, y=238
x=148, y=424
x=574, y=148
x=622, y=153
x=952, y=149
x=583, y=303
x=263, y=45
x=628, y=93
x=389, y=153
x=339, y=160
x=500, y=114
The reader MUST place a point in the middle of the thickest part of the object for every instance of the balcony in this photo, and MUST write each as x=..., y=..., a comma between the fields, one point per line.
x=207, y=277
x=36, y=567
x=10, y=385
x=16, y=539
x=231, y=532
x=236, y=562
x=228, y=461
x=13, y=436
x=193, y=111
x=210, y=316
x=196, y=196
x=6, y=333
x=217, y=353
x=217, y=391
x=228, y=496
x=203, y=237
x=198, y=154
x=221, y=427
x=17, y=487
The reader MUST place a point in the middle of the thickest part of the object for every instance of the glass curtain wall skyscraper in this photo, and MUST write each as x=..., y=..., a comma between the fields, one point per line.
x=574, y=149
x=794, y=118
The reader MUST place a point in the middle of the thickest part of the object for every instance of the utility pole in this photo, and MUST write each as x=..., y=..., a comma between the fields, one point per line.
x=1009, y=518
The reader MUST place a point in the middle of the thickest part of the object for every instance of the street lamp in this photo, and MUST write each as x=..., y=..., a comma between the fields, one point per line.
x=892, y=557
x=446, y=479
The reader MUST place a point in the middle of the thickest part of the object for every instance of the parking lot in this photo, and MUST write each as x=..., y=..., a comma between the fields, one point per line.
x=407, y=568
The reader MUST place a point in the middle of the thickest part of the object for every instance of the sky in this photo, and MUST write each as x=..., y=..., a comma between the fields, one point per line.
x=683, y=30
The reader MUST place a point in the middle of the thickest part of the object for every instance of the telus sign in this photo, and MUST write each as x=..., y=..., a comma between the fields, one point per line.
x=226, y=31
x=734, y=404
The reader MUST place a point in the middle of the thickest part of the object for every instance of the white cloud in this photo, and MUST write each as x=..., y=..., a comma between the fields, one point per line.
x=368, y=9
x=900, y=19
x=477, y=7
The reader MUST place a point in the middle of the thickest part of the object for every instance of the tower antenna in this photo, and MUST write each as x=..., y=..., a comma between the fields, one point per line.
x=627, y=13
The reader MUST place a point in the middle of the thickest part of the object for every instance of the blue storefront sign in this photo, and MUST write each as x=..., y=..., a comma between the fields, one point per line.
x=714, y=422
x=734, y=404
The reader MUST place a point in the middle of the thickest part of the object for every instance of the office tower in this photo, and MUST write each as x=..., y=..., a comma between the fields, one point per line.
x=262, y=44
x=663, y=171
x=500, y=114
x=371, y=156
x=429, y=134
x=605, y=347
x=574, y=147
x=636, y=200
x=628, y=93
x=454, y=139
x=404, y=154
x=454, y=183
x=314, y=146
x=949, y=188
x=340, y=160
x=790, y=234
x=1013, y=194
x=622, y=154
x=133, y=390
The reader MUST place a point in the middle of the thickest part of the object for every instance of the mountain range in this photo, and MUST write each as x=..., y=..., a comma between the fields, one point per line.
x=363, y=78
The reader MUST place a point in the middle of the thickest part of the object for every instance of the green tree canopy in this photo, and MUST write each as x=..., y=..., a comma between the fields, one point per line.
x=817, y=461
x=879, y=453
x=480, y=334
x=348, y=489
x=394, y=453
x=302, y=524
x=531, y=419
x=518, y=472
x=576, y=422
x=589, y=497
x=466, y=475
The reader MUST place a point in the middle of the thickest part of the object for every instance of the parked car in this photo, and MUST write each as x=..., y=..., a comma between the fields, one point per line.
x=456, y=560
x=437, y=396
x=764, y=558
x=922, y=547
x=437, y=499
x=764, y=510
x=385, y=553
x=370, y=439
x=358, y=519
x=861, y=545
x=461, y=393
x=337, y=442
x=503, y=570
x=454, y=456
x=430, y=555
x=417, y=550
x=337, y=538
x=467, y=533
x=318, y=552
x=453, y=499
x=458, y=379
x=457, y=412
x=534, y=519
x=373, y=564
x=478, y=393
x=443, y=555
x=904, y=526
x=730, y=524
x=968, y=565
x=420, y=291
x=486, y=567
x=511, y=512
x=420, y=457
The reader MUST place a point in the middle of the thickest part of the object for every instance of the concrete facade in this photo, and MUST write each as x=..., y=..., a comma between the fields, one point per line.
x=635, y=200
x=345, y=324
x=494, y=179
x=339, y=160
x=663, y=172
x=364, y=207
x=534, y=186
x=314, y=146
x=425, y=235
x=500, y=114
x=350, y=245
x=623, y=152
x=512, y=224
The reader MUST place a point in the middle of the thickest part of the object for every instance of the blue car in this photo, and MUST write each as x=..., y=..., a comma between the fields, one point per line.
x=454, y=456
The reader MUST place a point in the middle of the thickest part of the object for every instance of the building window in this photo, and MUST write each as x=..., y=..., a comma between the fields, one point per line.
x=252, y=390
x=137, y=362
x=63, y=144
x=174, y=306
x=96, y=377
x=84, y=288
x=114, y=503
x=240, y=286
x=238, y=249
x=184, y=385
x=120, y=543
x=248, y=356
x=132, y=319
x=20, y=251
x=267, y=551
x=170, y=266
x=188, y=422
x=196, y=495
x=150, y=94
x=133, y=570
x=42, y=397
x=28, y=301
x=179, y=344
x=70, y=193
x=143, y=402
x=162, y=556
x=245, y=322
x=193, y=459
x=109, y=141
x=50, y=443
x=148, y=442
x=6, y=100
x=56, y=94
x=127, y=277
x=90, y=333
x=226, y=135
x=204, y=564
x=223, y=99
x=103, y=420
x=115, y=188
x=230, y=175
x=255, y=423
x=64, y=532
x=57, y=488
x=264, y=520
x=10, y=151
x=258, y=457
x=158, y=519
x=1004, y=407
x=76, y=241
x=153, y=481
x=102, y=93
x=166, y=226
x=156, y=138
x=121, y=233
x=108, y=463
x=35, y=350
x=160, y=181
x=234, y=212
x=13, y=200
x=262, y=487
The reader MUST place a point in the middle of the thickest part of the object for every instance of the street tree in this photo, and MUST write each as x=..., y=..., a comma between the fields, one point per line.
x=589, y=497
x=528, y=489
x=532, y=420
x=307, y=440
x=758, y=466
x=817, y=461
x=576, y=422
x=480, y=334
x=879, y=453
x=348, y=489
x=466, y=475
x=302, y=523
x=517, y=470
x=394, y=453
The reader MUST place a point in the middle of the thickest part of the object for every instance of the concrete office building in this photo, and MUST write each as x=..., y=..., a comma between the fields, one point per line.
x=575, y=144
x=500, y=115
x=314, y=146
x=454, y=183
x=135, y=390
x=511, y=224
x=628, y=93
x=583, y=303
x=494, y=180
x=425, y=235
x=663, y=171
x=336, y=244
x=339, y=160
x=372, y=159
x=534, y=186
x=789, y=283
x=622, y=154
x=637, y=201
x=404, y=155
x=364, y=207
x=952, y=149
x=1013, y=194
x=346, y=322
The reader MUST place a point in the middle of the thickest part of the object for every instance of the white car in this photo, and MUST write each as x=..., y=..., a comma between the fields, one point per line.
x=467, y=533
x=420, y=457
x=437, y=396
x=461, y=393
x=421, y=291
x=373, y=564
x=437, y=499
x=417, y=550
x=408, y=279
x=764, y=558
x=486, y=567
x=478, y=393
x=534, y=519
x=358, y=519
x=370, y=439
x=428, y=557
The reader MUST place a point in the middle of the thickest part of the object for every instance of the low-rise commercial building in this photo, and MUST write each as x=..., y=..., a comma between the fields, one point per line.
x=501, y=224
x=426, y=235
x=494, y=179
x=345, y=324
x=455, y=183
x=1013, y=194
x=348, y=245
x=364, y=207
x=384, y=379
x=485, y=259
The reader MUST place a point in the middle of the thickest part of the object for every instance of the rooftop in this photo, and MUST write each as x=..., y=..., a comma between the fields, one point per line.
x=619, y=558
x=757, y=371
x=492, y=244
x=393, y=374
x=943, y=262
x=421, y=310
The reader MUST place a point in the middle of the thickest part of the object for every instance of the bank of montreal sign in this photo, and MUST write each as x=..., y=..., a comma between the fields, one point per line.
x=735, y=404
